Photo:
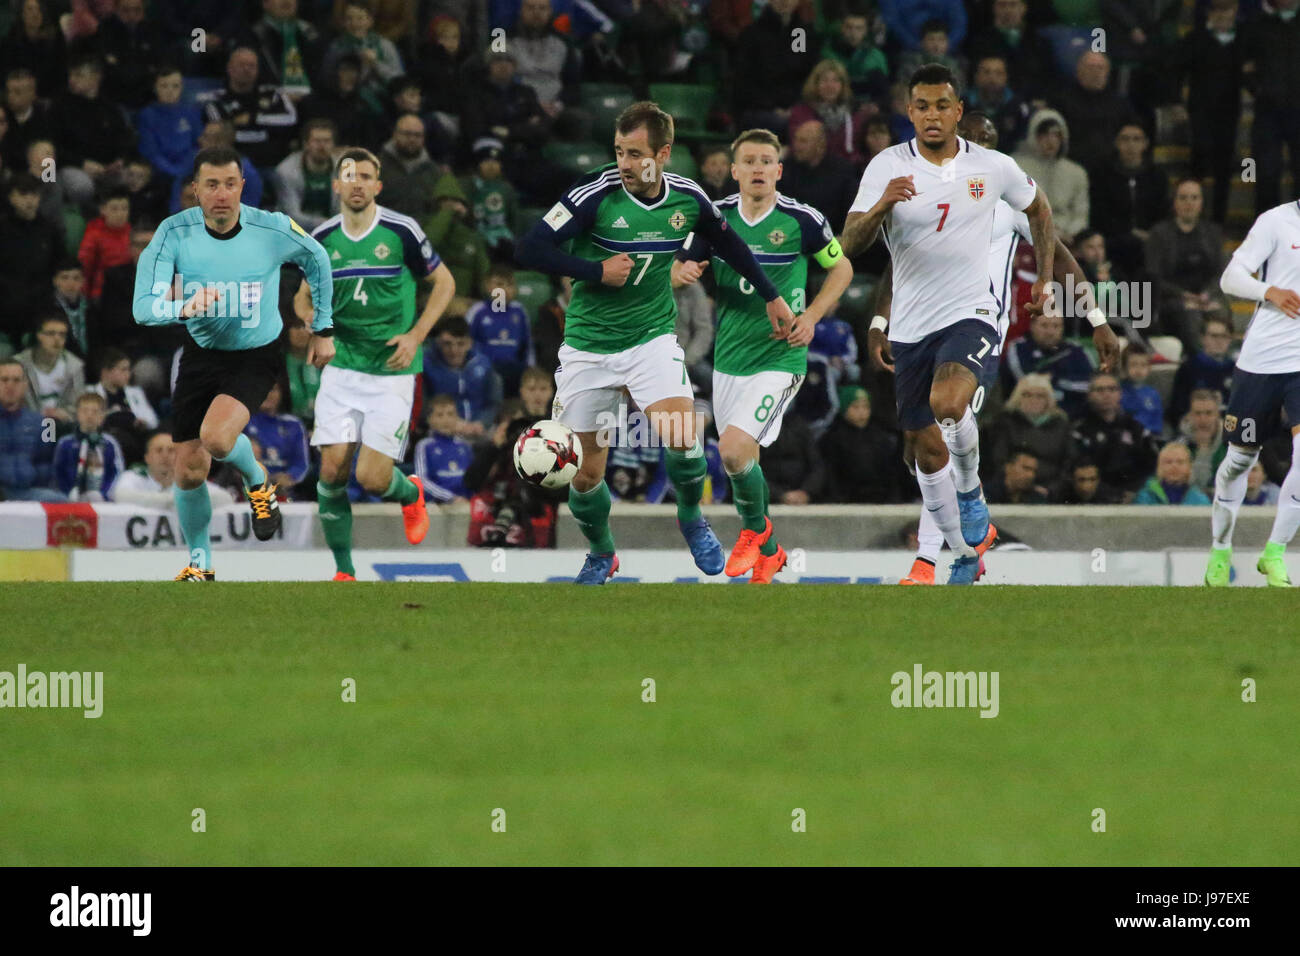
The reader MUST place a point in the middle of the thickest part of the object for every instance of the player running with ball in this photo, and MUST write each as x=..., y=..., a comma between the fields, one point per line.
x=624, y=222
x=1266, y=380
x=378, y=257
x=755, y=377
x=936, y=197
x=1009, y=227
x=224, y=258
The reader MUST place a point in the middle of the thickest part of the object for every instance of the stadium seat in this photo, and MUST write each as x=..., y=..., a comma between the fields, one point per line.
x=526, y=216
x=1068, y=44
x=1078, y=13
x=859, y=299
x=688, y=105
x=532, y=290
x=682, y=162
x=604, y=101
x=577, y=158
x=74, y=227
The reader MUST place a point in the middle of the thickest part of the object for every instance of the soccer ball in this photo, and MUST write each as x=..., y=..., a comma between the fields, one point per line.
x=548, y=454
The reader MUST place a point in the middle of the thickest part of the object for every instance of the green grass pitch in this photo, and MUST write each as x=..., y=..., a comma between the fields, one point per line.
x=528, y=698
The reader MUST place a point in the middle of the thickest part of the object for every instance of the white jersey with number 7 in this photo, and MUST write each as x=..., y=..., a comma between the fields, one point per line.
x=939, y=239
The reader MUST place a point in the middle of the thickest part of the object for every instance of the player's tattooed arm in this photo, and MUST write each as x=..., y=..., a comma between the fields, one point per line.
x=861, y=228
x=1039, y=214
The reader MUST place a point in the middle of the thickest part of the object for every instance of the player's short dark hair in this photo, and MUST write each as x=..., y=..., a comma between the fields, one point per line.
x=354, y=155
x=454, y=325
x=934, y=25
x=658, y=124
x=932, y=74
x=216, y=156
x=764, y=137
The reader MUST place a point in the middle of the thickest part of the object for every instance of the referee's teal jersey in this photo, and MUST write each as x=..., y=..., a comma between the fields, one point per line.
x=244, y=266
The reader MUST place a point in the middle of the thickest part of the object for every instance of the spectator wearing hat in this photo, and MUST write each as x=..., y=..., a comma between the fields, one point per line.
x=1043, y=155
x=30, y=247
x=863, y=460
x=492, y=199
x=451, y=231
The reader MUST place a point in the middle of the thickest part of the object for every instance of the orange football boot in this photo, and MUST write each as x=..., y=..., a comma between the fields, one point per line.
x=746, y=554
x=767, y=565
x=415, y=515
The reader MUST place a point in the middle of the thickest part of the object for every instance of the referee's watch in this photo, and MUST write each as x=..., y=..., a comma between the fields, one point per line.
x=324, y=333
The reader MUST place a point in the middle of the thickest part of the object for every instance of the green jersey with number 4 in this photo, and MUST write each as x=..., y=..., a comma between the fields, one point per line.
x=782, y=239
x=602, y=219
x=375, y=277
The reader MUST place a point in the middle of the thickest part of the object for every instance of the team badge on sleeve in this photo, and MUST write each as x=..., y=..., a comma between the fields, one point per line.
x=976, y=186
x=298, y=229
x=558, y=216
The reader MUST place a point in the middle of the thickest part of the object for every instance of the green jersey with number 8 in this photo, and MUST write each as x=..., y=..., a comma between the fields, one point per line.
x=375, y=276
x=781, y=240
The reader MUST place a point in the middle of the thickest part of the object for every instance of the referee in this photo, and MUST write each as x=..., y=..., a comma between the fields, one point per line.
x=216, y=268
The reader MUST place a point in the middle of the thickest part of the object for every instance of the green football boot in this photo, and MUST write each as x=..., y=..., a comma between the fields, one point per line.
x=1218, y=573
x=1273, y=566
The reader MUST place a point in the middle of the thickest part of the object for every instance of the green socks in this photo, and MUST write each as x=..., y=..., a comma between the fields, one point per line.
x=336, y=521
x=401, y=489
x=591, y=511
x=769, y=549
x=194, y=509
x=241, y=456
x=747, y=492
x=687, y=471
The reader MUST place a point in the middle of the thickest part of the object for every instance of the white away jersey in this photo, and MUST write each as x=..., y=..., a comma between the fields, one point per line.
x=1009, y=227
x=1273, y=248
x=939, y=239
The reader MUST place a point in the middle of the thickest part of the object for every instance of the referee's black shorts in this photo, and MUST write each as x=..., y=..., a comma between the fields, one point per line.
x=245, y=375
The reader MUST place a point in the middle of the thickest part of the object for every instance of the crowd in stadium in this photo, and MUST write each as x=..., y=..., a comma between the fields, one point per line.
x=106, y=102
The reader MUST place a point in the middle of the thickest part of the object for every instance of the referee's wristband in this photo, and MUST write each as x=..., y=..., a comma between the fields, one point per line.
x=1096, y=318
x=880, y=322
x=324, y=333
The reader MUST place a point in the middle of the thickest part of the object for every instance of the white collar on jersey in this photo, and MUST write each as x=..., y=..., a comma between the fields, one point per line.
x=663, y=180
x=368, y=230
x=963, y=146
x=740, y=211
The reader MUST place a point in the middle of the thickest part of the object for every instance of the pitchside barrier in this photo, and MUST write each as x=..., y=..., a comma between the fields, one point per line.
x=1044, y=544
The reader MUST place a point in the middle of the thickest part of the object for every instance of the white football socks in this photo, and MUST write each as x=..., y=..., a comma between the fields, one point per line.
x=963, y=441
x=929, y=539
x=1230, y=491
x=1288, y=502
x=939, y=495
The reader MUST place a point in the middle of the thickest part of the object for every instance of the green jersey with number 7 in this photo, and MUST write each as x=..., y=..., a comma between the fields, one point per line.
x=375, y=276
x=607, y=319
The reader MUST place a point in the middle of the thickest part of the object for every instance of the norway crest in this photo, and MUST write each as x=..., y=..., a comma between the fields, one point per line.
x=976, y=186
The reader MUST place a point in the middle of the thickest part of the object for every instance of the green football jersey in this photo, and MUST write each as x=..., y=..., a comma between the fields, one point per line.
x=781, y=240
x=375, y=277
x=605, y=219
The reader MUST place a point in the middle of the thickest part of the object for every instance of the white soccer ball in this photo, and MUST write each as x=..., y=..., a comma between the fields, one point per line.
x=548, y=454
